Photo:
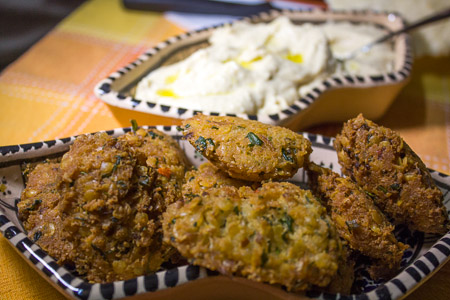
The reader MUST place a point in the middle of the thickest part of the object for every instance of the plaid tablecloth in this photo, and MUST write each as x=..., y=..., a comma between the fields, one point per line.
x=48, y=93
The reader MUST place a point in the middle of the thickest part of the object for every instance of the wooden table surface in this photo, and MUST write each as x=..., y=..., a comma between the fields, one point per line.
x=48, y=93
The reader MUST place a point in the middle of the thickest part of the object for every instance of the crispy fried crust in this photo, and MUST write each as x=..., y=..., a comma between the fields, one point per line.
x=205, y=177
x=357, y=219
x=394, y=176
x=247, y=150
x=100, y=209
x=278, y=234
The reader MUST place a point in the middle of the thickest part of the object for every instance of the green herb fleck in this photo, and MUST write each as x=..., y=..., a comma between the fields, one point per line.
x=200, y=144
x=287, y=155
x=114, y=168
x=236, y=210
x=210, y=140
x=307, y=199
x=99, y=251
x=371, y=195
x=134, y=125
x=215, y=127
x=287, y=222
x=190, y=195
x=154, y=135
x=37, y=235
x=179, y=128
x=34, y=205
x=174, y=221
x=382, y=188
x=254, y=139
x=395, y=186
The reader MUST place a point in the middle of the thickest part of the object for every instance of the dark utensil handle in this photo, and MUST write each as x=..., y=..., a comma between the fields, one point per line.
x=430, y=19
x=198, y=6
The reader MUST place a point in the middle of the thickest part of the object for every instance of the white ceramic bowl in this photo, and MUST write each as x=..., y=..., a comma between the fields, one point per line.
x=338, y=98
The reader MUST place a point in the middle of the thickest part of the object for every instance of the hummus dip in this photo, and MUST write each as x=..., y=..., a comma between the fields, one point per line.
x=262, y=68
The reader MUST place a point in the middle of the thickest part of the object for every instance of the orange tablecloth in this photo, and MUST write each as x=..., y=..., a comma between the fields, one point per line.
x=47, y=93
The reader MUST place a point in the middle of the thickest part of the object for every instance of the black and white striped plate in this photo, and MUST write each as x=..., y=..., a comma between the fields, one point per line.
x=426, y=254
x=337, y=98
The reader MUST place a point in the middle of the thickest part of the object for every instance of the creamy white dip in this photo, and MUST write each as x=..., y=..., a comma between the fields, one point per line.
x=261, y=68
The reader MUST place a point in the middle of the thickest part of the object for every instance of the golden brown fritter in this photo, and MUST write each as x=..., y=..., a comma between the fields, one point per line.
x=357, y=219
x=246, y=149
x=278, y=234
x=208, y=176
x=380, y=161
x=100, y=209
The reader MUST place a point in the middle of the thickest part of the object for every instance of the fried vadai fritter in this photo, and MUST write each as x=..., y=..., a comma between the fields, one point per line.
x=357, y=219
x=100, y=209
x=382, y=163
x=208, y=176
x=246, y=149
x=278, y=234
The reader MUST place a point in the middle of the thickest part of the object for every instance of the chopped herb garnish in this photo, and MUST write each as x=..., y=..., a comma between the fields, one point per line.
x=236, y=210
x=395, y=186
x=190, y=195
x=155, y=135
x=179, y=128
x=254, y=139
x=287, y=222
x=200, y=144
x=173, y=221
x=37, y=235
x=192, y=178
x=34, y=205
x=114, y=168
x=307, y=199
x=215, y=127
x=209, y=140
x=187, y=126
x=287, y=155
x=371, y=195
x=195, y=224
x=98, y=250
x=382, y=188
x=134, y=125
